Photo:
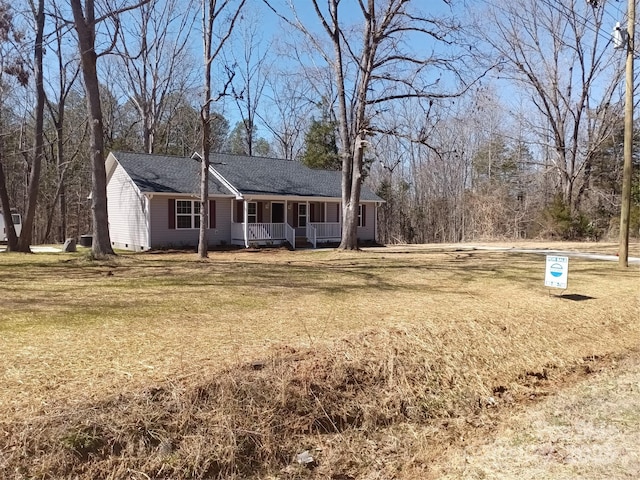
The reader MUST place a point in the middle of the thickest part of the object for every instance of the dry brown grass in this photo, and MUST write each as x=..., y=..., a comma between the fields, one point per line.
x=143, y=364
x=589, y=431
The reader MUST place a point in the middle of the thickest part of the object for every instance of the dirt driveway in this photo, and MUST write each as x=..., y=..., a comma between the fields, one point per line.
x=589, y=431
x=606, y=251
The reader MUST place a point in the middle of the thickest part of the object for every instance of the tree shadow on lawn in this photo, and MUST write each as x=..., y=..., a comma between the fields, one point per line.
x=387, y=274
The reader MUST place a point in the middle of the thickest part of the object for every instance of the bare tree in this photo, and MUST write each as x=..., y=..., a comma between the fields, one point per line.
x=85, y=22
x=85, y=25
x=24, y=241
x=12, y=66
x=153, y=48
x=25, y=238
x=218, y=21
x=68, y=72
x=385, y=69
x=15, y=66
x=288, y=117
x=250, y=65
x=555, y=52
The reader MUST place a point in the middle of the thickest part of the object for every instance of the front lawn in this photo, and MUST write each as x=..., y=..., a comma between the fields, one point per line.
x=75, y=334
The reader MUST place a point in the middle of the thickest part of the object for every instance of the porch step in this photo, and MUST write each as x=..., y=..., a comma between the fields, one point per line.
x=303, y=242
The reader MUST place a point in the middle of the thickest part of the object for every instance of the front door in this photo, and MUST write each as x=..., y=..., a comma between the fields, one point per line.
x=277, y=213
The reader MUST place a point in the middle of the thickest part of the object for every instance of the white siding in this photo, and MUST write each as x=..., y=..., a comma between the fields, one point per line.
x=164, y=237
x=127, y=208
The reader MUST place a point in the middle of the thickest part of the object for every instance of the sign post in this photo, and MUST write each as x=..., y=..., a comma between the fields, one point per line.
x=557, y=272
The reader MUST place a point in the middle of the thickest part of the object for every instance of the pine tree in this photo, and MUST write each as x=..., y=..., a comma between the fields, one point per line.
x=321, y=149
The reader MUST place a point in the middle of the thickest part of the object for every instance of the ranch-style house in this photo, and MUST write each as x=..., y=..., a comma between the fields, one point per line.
x=153, y=202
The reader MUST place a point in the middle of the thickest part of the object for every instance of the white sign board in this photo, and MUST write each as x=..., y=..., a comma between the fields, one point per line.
x=557, y=272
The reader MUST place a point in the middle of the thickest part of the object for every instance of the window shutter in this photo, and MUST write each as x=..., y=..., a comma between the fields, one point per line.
x=259, y=208
x=364, y=215
x=212, y=214
x=337, y=212
x=239, y=211
x=295, y=215
x=172, y=214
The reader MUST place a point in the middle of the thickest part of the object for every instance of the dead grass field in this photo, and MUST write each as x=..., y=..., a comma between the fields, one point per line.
x=429, y=335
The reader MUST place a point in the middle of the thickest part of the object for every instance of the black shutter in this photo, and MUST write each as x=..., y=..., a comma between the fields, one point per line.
x=172, y=214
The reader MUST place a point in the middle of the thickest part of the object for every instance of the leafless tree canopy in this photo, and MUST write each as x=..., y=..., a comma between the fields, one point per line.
x=496, y=119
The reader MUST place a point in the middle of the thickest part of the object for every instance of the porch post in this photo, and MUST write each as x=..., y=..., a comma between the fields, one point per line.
x=245, y=214
x=375, y=222
x=286, y=221
x=306, y=228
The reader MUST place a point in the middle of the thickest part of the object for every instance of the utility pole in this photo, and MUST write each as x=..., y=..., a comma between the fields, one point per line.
x=623, y=260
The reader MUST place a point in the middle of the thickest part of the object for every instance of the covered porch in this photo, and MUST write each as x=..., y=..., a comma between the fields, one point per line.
x=276, y=221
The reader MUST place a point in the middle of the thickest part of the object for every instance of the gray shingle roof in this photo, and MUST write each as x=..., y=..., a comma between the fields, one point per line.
x=166, y=174
x=249, y=175
x=272, y=176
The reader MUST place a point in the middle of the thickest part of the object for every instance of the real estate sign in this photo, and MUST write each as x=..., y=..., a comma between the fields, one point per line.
x=557, y=272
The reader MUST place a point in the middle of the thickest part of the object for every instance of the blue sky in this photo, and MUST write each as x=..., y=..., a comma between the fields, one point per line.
x=275, y=30
x=272, y=30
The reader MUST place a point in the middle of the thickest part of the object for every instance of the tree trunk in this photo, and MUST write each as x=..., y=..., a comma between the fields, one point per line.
x=59, y=198
x=351, y=203
x=352, y=173
x=24, y=241
x=205, y=115
x=62, y=171
x=210, y=15
x=349, y=240
x=203, y=246
x=85, y=27
x=568, y=194
x=5, y=202
x=5, y=205
x=62, y=206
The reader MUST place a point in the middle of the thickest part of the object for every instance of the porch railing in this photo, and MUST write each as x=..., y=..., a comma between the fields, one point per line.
x=290, y=234
x=265, y=231
x=311, y=235
x=327, y=230
x=258, y=231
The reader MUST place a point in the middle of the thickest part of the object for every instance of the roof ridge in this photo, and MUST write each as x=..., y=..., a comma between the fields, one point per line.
x=147, y=154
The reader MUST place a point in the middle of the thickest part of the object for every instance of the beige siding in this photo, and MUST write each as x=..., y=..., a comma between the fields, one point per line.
x=333, y=212
x=127, y=208
x=368, y=232
x=164, y=237
x=263, y=213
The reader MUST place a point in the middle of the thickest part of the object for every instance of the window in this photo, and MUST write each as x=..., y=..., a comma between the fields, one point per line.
x=252, y=212
x=362, y=215
x=16, y=218
x=302, y=214
x=187, y=214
